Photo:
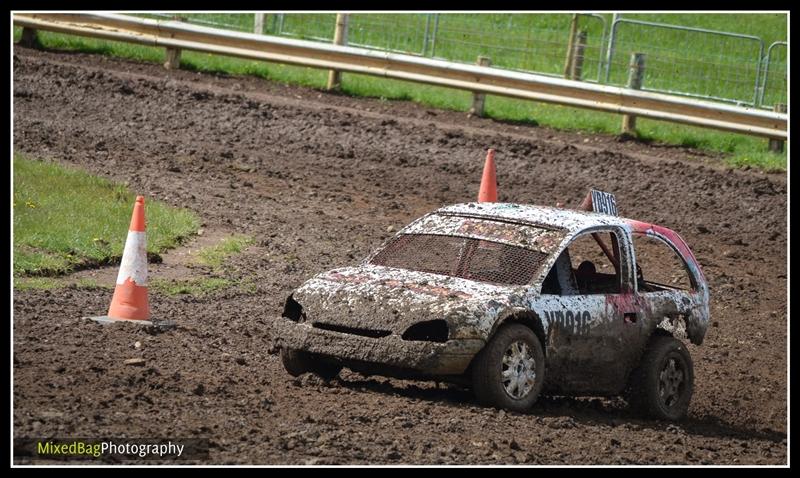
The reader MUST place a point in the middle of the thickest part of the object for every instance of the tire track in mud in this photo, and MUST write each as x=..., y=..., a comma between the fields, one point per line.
x=318, y=179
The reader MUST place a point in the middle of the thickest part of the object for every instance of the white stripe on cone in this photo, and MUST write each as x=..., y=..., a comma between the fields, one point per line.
x=134, y=259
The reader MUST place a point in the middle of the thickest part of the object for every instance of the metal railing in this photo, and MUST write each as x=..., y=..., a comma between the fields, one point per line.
x=174, y=35
x=688, y=61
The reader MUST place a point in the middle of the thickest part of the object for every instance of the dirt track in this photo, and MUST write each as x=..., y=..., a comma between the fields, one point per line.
x=317, y=179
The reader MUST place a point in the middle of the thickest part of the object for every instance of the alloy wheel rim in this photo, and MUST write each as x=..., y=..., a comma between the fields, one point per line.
x=671, y=382
x=518, y=370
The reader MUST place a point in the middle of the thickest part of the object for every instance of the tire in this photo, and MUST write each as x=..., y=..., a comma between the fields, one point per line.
x=489, y=368
x=297, y=362
x=663, y=383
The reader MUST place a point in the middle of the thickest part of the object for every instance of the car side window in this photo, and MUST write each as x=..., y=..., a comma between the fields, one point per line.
x=551, y=284
x=585, y=268
x=658, y=266
x=593, y=271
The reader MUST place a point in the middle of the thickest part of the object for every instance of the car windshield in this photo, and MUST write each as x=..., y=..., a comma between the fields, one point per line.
x=465, y=257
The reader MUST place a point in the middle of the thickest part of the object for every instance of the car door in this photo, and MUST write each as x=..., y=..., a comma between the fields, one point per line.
x=666, y=287
x=592, y=314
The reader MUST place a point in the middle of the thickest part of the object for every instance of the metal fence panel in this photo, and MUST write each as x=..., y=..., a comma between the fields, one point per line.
x=242, y=22
x=511, y=41
x=776, y=63
x=306, y=26
x=596, y=45
x=726, y=68
x=403, y=33
x=525, y=42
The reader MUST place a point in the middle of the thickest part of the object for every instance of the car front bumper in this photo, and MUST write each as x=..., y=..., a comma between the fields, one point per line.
x=427, y=358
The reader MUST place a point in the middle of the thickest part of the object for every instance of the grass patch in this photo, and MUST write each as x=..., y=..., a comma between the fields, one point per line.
x=214, y=256
x=36, y=283
x=541, y=48
x=65, y=219
x=49, y=283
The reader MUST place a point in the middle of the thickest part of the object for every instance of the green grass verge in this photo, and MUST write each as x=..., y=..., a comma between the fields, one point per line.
x=49, y=283
x=740, y=150
x=65, y=219
x=214, y=256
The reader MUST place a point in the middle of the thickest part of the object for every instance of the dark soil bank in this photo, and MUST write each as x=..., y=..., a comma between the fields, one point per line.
x=318, y=179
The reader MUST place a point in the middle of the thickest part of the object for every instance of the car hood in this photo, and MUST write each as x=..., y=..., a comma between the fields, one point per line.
x=384, y=298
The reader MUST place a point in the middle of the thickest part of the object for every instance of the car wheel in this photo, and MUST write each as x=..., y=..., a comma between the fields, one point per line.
x=509, y=371
x=662, y=385
x=298, y=362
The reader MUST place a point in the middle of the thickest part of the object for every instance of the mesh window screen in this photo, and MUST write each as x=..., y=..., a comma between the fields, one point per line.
x=467, y=258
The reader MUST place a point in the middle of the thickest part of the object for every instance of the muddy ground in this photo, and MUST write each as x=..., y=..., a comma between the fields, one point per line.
x=318, y=180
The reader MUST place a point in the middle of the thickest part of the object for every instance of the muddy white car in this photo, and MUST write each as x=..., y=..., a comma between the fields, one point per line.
x=512, y=300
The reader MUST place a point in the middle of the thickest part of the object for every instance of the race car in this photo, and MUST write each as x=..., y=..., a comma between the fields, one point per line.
x=512, y=300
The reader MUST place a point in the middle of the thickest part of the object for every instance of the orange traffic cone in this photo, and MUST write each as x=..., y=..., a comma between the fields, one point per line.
x=130, y=301
x=488, y=191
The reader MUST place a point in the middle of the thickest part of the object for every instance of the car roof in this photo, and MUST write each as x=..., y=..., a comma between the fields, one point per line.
x=571, y=219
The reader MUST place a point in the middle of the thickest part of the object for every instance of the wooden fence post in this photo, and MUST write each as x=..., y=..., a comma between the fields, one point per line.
x=635, y=77
x=339, y=38
x=173, y=58
x=479, y=99
x=30, y=38
x=576, y=71
x=776, y=145
x=258, y=23
x=173, y=55
x=573, y=30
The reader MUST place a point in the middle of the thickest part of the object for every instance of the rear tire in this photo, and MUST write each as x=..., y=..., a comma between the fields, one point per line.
x=663, y=383
x=298, y=362
x=509, y=371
